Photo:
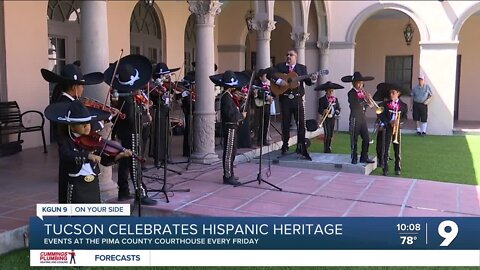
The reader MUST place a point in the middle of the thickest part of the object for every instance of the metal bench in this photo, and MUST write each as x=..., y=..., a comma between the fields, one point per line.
x=11, y=122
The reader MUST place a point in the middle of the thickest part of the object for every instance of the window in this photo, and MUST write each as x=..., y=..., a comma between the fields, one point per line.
x=134, y=50
x=398, y=69
x=152, y=55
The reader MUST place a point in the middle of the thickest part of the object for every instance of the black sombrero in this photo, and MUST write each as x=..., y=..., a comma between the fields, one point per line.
x=72, y=74
x=383, y=91
x=162, y=69
x=190, y=77
x=230, y=79
x=133, y=72
x=328, y=85
x=74, y=112
x=357, y=76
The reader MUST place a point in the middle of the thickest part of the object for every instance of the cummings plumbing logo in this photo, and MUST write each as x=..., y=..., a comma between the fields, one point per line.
x=60, y=257
x=54, y=257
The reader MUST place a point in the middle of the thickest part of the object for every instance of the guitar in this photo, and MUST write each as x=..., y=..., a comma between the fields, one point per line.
x=293, y=80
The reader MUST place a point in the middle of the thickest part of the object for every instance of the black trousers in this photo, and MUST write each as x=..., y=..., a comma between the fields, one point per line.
x=266, y=122
x=380, y=143
x=125, y=168
x=186, y=134
x=328, y=129
x=81, y=191
x=396, y=149
x=289, y=107
x=358, y=126
x=229, y=150
x=62, y=182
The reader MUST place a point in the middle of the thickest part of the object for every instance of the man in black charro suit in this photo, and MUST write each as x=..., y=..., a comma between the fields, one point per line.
x=291, y=102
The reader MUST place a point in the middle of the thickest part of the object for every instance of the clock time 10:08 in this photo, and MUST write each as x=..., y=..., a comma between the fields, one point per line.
x=412, y=227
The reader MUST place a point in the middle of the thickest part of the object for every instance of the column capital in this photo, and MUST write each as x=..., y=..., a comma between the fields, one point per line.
x=205, y=10
x=323, y=46
x=264, y=28
x=300, y=38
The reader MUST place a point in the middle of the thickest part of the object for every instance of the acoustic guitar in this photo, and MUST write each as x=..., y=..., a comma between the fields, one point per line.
x=293, y=80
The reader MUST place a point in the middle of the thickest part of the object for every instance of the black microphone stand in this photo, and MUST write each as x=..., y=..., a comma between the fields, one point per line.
x=165, y=189
x=190, y=127
x=259, y=175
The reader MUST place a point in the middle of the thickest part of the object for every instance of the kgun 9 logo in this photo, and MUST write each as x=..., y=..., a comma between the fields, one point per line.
x=448, y=235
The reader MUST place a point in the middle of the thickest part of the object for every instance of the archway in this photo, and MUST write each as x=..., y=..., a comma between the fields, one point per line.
x=382, y=52
x=190, y=43
x=146, y=33
x=468, y=63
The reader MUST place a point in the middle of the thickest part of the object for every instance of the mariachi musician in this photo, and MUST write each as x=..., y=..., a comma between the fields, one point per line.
x=132, y=73
x=69, y=87
x=329, y=109
x=79, y=160
x=395, y=110
x=188, y=107
x=161, y=97
x=291, y=101
x=231, y=116
x=359, y=101
x=263, y=100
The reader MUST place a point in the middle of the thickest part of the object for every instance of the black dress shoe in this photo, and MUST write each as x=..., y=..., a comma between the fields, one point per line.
x=397, y=172
x=354, y=160
x=307, y=156
x=124, y=197
x=366, y=160
x=424, y=134
x=385, y=173
x=419, y=133
x=284, y=150
x=148, y=201
x=231, y=181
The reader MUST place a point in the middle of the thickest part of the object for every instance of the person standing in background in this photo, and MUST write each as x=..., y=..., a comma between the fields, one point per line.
x=421, y=95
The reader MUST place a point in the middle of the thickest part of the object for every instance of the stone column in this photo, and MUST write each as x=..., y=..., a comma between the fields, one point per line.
x=264, y=30
x=95, y=57
x=204, y=114
x=442, y=82
x=323, y=48
x=300, y=38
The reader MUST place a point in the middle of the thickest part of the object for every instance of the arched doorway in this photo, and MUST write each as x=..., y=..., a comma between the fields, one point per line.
x=382, y=52
x=467, y=95
x=146, y=35
x=63, y=33
x=189, y=43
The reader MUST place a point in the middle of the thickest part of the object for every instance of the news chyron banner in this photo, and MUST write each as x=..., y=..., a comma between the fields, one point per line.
x=105, y=235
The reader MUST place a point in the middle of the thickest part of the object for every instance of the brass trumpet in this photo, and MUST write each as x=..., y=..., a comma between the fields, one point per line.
x=327, y=114
x=371, y=103
x=396, y=127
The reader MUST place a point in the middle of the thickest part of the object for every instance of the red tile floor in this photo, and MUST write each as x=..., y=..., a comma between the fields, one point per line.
x=30, y=177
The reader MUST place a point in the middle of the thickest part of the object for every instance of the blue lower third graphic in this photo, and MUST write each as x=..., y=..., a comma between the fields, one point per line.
x=155, y=233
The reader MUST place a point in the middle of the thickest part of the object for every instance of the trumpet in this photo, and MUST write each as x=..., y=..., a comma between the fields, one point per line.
x=327, y=114
x=396, y=127
x=371, y=103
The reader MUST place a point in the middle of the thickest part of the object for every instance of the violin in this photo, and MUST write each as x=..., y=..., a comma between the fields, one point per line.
x=88, y=102
x=95, y=142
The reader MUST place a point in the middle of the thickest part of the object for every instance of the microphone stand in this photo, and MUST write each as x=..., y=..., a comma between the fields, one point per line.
x=165, y=189
x=190, y=128
x=259, y=175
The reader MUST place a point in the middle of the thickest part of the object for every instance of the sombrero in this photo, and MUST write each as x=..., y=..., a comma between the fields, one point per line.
x=72, y=74
x=162, y=69
x=357, y=76
x=383, y=91
x=133, y=72
x=230, y=79
x=74, y=112
x=328, y=85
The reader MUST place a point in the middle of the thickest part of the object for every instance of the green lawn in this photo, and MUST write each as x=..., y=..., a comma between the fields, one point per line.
x=19, y=260
x=453, y=159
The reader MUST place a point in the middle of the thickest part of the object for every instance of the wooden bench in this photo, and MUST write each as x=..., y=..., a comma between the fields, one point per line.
x=11, y=121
